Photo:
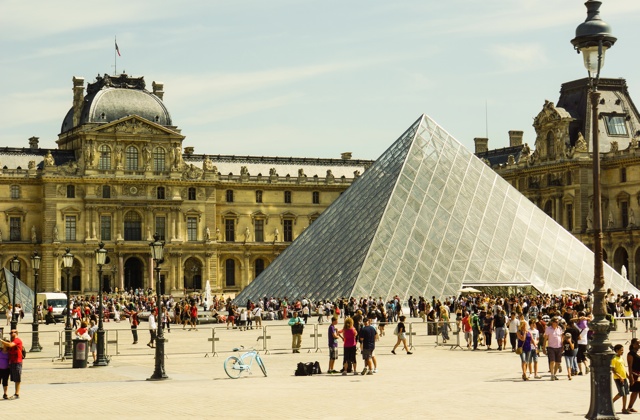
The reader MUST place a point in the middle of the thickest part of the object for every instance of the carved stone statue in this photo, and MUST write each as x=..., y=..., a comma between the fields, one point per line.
x=34, y=237
x=623, y=271
x=207, y=164
x=48, y=159
x=634, y=143
x=301, y=172
x=118, y=156
x=590, y=219
x=356, y=173
x=276, y=233
x=273, y=172
x=614, y=146
x=610, y=220
x=217, y=234
x=90, y=154
x=55, y=234
x=581, y=143
x=207, y=234
x=511, y=160
x=244, y=170
x=146, y=154
x=247, y=234
x=526, y=151
x=632, y=218
x=176, y=155
x=32, y=164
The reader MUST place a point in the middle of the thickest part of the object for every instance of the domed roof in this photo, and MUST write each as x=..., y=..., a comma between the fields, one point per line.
x=111, y=98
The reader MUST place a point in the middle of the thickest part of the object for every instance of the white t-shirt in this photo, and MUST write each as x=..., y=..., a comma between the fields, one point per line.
x=513, y=325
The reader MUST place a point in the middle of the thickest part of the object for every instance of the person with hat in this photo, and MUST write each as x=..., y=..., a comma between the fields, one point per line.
x=553, y=334
x=15, y=361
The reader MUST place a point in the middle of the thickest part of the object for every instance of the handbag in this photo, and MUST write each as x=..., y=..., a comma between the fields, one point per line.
x=297, y=328
x=519, y=350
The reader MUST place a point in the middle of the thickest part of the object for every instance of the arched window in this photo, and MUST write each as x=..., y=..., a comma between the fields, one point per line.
x=230, y=272
x=104, y=163
x=548, y=208
x=159, y=158
x=131, y=163
x=132, y=226
x=550, y=145
x=258, y=266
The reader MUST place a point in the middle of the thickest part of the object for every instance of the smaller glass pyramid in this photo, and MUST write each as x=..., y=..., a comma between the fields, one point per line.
x=427, y=218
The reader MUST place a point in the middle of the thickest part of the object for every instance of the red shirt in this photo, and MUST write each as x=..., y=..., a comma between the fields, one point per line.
x=15, y=352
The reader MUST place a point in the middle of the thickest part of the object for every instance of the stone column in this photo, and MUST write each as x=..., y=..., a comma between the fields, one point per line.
x=152, y=281
x=121, y=272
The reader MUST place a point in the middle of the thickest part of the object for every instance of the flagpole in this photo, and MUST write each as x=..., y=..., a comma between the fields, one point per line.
x=115, y=57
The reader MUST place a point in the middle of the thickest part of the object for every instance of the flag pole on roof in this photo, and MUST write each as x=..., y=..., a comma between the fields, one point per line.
x=116, y=54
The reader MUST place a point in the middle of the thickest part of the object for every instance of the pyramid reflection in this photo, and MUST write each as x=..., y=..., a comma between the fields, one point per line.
x=427, y=218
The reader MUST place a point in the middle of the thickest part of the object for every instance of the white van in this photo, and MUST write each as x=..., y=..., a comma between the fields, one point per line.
x=58, y=301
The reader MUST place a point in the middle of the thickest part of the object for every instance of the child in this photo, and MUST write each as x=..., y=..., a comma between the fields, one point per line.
x=620, y=377
x=567, y=347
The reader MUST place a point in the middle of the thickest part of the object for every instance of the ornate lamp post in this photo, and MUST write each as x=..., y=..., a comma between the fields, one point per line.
x=35, y=341
x=14, y=265
x=101, y=257
x=593, y=38
x=67, y=263
x=157, y=251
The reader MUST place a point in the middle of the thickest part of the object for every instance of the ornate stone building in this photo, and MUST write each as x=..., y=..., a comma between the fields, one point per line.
x=557, y=175
x=121, y=172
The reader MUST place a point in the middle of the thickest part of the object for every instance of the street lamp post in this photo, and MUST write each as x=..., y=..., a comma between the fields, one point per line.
x=101, y=257
x=157, y=251
x=593, y=38
x=35, y=341
x=67, y=263
x=15, y=269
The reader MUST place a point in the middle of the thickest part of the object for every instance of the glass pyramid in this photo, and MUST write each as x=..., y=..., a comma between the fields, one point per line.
x=427, y=218
x=24, y=295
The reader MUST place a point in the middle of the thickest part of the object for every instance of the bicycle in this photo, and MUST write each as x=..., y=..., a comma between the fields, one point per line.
x=234, y=366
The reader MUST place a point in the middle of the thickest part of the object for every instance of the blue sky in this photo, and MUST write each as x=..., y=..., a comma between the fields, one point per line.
x=306, y=78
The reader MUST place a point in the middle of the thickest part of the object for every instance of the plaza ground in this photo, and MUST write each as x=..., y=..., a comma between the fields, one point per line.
x=433, y=382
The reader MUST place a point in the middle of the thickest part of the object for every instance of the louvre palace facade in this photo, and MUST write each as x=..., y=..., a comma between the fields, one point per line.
x=123, y=171
x=556, y=173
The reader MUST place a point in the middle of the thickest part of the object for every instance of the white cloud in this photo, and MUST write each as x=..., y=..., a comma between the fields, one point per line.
x=514, y=58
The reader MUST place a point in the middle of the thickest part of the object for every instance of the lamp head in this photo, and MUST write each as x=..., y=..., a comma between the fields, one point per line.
x=67, y=259
x=15, y=264
x=101, y=254
x=157, y=248
x=35, y=260
x=593, y=38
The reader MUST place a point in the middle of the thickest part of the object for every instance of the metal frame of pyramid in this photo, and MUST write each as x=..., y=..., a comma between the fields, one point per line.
x=24, y=294
x=425, y=219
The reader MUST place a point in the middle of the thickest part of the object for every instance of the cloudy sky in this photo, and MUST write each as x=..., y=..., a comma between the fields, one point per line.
x=306, y=78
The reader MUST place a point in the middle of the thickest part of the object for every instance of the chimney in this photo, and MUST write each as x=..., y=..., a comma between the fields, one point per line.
x=158, y=89
x=78, y=98
x=33, y=143
x=345, y=155
x=188, y=151
x=482, y=144
x=515, y=138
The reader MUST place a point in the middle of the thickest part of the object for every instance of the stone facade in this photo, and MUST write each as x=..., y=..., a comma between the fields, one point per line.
x=557, y=176
x=122, y=172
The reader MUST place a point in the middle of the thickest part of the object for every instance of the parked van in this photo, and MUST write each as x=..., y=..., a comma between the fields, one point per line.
x=58, y=301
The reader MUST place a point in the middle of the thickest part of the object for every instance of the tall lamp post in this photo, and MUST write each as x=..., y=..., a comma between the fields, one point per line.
x=14, y=264
x=67, y=263
x=157, y=251
x=101, y=257
x=593, y=38
x=35, y=341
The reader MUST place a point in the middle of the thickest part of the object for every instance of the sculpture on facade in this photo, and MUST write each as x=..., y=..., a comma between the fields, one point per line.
x=207, y=234
x=610, y=220
x=590, y=219
x=207, y=164
x=176, y=155
x=581, y=143
x=55, y=234
x=247, y=234
x=217, y=234
x=301, y=173
x=244, y=171
x=632, y=218
x=48, y=159
x=272, y=172
x=614, y=146
x=524, y=154
x=34, y=237
x=276, y=233
x=146, y=154
x=118, y=156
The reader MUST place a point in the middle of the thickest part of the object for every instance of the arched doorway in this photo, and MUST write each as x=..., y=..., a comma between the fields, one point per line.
x=634, y=279
x=133, y=274
x=193, y=274
x=75, y=277
x=621, y=259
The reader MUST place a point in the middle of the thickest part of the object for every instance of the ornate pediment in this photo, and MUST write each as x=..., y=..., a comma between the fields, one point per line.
x=135, y=125
x=550, y=114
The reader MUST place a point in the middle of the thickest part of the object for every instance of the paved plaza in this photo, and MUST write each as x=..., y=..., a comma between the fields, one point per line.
x=433, y=382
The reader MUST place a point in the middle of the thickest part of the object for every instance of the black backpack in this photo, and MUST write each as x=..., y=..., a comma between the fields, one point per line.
x=308, y=369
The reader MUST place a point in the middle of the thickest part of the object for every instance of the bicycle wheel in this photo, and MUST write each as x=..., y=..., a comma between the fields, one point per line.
x=261, y=364
x=230, y=367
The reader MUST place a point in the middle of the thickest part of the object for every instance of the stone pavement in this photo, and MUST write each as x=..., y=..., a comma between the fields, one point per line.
x=433, y=382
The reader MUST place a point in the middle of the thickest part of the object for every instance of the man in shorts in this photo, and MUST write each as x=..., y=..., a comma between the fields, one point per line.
x=553, y=346
x=15, y=361
x=368, y=336
x=333, y=344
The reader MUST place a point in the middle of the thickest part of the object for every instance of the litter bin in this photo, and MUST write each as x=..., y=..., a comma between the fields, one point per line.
x=80, y=353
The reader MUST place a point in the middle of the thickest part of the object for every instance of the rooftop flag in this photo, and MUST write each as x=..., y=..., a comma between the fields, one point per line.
x=117, y=49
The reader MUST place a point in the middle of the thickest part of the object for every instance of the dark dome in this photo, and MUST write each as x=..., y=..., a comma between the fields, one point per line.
x=109, y=99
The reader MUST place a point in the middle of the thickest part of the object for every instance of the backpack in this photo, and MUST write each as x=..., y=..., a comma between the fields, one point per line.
x=301, y=370
x=308, y=369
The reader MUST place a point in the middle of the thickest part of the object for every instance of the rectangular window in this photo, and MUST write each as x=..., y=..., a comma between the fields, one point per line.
x=229, y=230
x=623, y=174
x=258, y=196
x=192, y=228
x=15, y=229
x=161, y=230
x=15, y=191
x=71, y=191
x=70, y=228
x=229, y=196
x=192, y=193
x=259, y=230
x=287, y=197
x=105, y=228
x=316, y=197
x=160, y=193
x=106, y=191
x=616, y=125
x=288, y=230
x=624, y=213
x=570, y=217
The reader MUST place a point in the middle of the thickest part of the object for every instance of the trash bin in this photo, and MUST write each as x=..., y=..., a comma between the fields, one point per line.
x=80, y=353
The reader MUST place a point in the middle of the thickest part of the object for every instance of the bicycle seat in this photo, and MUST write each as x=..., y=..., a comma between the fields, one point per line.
x=236, y=349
